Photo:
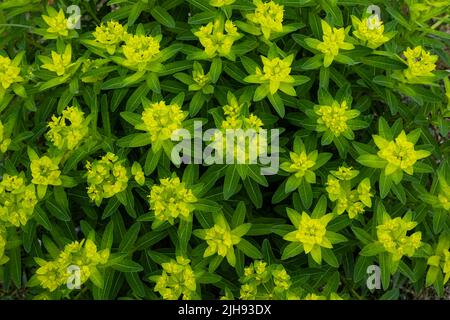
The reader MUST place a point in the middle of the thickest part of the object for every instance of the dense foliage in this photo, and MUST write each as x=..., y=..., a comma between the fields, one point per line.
x=95, y=203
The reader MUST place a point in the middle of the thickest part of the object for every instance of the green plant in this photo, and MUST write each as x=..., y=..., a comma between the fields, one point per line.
x=103, y=107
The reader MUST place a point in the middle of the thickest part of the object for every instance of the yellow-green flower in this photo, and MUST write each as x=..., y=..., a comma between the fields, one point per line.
x=393, y=235
x=17, y=200
x=4, y=141
x=201, y=80
x=269, y=17
x=45, y=171
x=371, y=31
x=218, y=38
x=59, y=63
x=335, y=118
x=68, y=130
x=161, y=120
x=250, y=143
x=339, y=190
x=275, y=74
x=399, y=153
x=265, y=282
x=420, y=63
x=9, y=72
x=439, y=262
x=136, y=171
x=221, y=239
x=300, y=165
x=84, y=254
x=3, y=241
x=311, y=234
x=57, y=23
x=333, y=42
x=110, y=35
x=171, y=199
x=177, y=279
x=106, y=177
x=221, y=3
x=140, y=51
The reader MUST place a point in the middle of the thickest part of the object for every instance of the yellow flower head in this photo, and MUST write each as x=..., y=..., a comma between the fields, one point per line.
x=3, y=258
x=312, y=232
x=136, y=171
x=301, y=163
x=420, y=63
x=4, y=141
x=446, y=267
x=276, y=72
x=106, y=177
x=9, y=72
x=57, y=24
x=140, y=51
x=370, y=31
x=334, y=118
x=81, y=254
x=45, y=171
x=110, y=35
x=392, y=234
x=177, y=279
x=333, y=41
x=345, y=173
x=17, y=200
x=221, y=3
x=171, y=200
x=59, y=63
x=269, y=16
x=221, y=239
x=400, y=154
x=68, y=130
x=265, y=282
x=218, y=37
x=161, y=120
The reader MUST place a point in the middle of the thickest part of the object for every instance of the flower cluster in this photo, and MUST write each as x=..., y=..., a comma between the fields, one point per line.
x=393, y=235
x=370, y=31
x=57, y=23
x=265, y=282
x=269, y=17
x=335, y=118
x=110, y=35
x=399, y=153
x=439, y=262
x=140, y=51
x=218, y=38
x=221, y=239
x=106, y=177
x=9, y=72
x=311, y=233
x=17, y=200
x=275, y=75
x=339, y=190
x=161, y=121
x=82, y=254
x=60, y=62
x=301, y=164
x=177, y=279
x=45, y=171
x=171, y=199
x=333, y=42
x=420, y=63
x=68, y=130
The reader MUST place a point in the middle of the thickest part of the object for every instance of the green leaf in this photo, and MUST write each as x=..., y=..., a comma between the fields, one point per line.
x=249, y=249
x=231, y=182
x=162, y=16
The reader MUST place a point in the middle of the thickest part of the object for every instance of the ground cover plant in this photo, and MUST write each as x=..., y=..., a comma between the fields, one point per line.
x=113, y=179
